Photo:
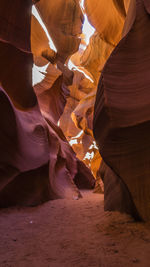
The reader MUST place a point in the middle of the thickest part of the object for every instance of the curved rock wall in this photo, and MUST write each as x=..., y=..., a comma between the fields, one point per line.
x=36, y=161
x=122, y=107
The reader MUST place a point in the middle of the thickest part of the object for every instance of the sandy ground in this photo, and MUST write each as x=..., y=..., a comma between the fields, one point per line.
x=72, y=233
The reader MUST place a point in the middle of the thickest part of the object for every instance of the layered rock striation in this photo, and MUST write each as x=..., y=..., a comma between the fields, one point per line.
x=36, y=162
x=122, y=117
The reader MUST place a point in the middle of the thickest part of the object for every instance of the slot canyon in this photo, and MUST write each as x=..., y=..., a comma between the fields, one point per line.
x=74, y=133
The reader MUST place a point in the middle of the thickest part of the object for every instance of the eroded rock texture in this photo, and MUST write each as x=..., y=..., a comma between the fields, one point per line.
x=122, y=114
x=43, y=128
x=64, y=24
x=106, y=19
x=36, y=161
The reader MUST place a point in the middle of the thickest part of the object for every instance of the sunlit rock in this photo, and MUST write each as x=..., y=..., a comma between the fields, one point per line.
x=36, y=161
x=106, y=19
x=46, y=133
x=64, y=24
x=95, y=56
x=40, y=44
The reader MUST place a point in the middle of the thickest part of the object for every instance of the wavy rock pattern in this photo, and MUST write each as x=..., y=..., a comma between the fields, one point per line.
x=64, y=31
x=36, y=161
x=122, y=107
x=110, y=25
x=40, y=44
x=95, y=56
x=76, y=121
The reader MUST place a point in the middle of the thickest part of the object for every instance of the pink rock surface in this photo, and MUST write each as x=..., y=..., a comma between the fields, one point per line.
x=122, y=107
x=36, y=161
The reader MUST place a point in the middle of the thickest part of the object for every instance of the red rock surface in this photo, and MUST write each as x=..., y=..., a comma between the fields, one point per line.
x=45, y=126
x=36, y=161
x=122, y=107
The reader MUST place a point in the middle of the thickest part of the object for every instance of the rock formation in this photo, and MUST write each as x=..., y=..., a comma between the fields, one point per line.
x=121, y=117
x=63, y=27
x=36, y=161
x=47, y=131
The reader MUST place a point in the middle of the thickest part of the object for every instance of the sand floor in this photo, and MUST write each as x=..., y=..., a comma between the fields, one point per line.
x=72, y=233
